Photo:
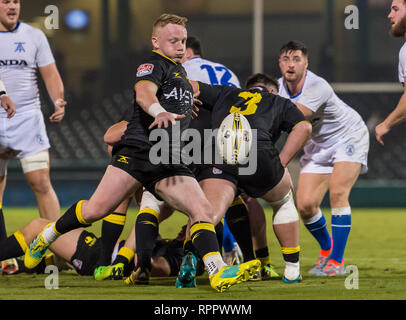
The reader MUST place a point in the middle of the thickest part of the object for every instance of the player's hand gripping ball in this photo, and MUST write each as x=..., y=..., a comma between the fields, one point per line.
x=234, y=139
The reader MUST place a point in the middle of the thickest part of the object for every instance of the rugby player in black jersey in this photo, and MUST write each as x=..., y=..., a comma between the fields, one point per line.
x=163, y=99
x=269, y=114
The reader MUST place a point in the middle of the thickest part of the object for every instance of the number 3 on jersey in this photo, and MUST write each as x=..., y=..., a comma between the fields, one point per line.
x=251, y=100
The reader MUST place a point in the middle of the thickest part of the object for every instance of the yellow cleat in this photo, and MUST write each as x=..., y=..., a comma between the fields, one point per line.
x=36, y=251
x=232, y=274
x=139, y=276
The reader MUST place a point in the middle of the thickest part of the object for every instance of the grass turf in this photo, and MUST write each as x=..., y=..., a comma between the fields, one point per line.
x=375, y=247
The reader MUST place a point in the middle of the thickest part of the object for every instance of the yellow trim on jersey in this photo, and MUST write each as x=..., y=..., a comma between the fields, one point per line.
x=116, y=218
x=287, y=250
x=300, y=123
x=165, y=56
x=126, y=253
x=21, y=240
x=150, y=211
x=202, y=226
x=78, y=211
x=124, y=121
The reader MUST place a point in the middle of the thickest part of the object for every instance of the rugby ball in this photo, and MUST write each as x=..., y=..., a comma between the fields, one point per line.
x=234, y=139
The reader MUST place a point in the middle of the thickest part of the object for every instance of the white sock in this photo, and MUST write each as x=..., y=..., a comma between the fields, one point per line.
x=292, y=270
x=214, y=263
x=50, y=234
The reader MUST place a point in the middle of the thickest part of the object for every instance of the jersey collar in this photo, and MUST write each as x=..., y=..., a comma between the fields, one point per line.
x=17, y=25
x=297, y=95
x=162, y=55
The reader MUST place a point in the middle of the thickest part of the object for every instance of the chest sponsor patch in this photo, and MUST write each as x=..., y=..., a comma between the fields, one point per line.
x=145, y=69
x=217, y=171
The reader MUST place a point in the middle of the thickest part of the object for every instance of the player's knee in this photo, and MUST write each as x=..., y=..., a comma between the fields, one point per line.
x=40, y=185
x=338, y=196
x=38, y=223
x=284, y=210
x=93, y=211
x=306, y=208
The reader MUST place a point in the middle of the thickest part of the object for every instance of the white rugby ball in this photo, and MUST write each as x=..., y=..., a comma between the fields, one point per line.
x=234, y=139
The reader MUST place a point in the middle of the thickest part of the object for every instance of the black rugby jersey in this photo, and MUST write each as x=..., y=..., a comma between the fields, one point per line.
x=268, y=113
x=175, y=94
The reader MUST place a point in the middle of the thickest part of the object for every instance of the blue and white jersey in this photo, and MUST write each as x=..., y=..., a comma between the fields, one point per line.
x=22, y=51
x=199, y=69
x=332, y=118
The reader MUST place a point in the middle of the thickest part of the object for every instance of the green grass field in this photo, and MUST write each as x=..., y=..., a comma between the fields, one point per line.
x=376, y=246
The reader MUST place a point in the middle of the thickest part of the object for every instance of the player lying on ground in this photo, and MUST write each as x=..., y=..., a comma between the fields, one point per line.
x=82, y=250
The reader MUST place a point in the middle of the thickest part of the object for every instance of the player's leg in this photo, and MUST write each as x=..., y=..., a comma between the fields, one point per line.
x=286, y=226
x=257, y=223
x=3, y=180
x=229, y=244
x=122, y=262
x=115, y=186
x=126, y=254
x=343, y=178
x=112, y=226
x=203, y=219
x=310, y=192
x=239, y=224
x=16, y=244
x=147, y=228
x=36, y=171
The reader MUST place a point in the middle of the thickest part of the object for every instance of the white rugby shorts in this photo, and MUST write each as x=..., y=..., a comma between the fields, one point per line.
x=352, y=147
x=25, y=132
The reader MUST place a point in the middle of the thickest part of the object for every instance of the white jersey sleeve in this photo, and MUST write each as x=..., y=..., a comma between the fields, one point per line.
x=402, y=64
x=44, y=54
x=210, y=72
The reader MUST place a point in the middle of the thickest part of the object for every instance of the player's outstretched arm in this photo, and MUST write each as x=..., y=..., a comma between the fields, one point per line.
x=55, y=88
x=396, y=117
x=295, y=141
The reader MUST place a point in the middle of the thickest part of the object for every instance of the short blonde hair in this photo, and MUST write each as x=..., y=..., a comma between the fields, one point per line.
x=167, y=18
